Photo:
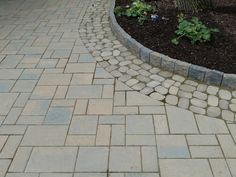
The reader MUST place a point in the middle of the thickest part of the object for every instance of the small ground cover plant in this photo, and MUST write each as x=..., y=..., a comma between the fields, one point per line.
x=193, y=29
x=138, y=9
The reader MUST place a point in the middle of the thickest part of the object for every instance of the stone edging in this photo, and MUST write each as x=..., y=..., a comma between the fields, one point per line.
x=199, y=73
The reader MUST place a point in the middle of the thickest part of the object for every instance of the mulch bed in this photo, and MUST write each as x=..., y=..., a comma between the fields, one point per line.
x=219, y=53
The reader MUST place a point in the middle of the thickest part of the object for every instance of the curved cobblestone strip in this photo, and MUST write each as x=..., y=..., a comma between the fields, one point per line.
x=161, y=85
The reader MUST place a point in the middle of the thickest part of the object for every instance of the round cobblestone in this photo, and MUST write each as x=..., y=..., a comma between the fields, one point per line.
x=171, y=99
x=225, y=94
x=213, y=111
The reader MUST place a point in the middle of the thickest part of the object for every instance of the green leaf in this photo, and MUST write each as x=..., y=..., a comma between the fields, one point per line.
x=175, y=41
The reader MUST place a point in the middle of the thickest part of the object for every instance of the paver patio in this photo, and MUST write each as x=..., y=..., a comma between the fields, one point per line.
x=66, y=112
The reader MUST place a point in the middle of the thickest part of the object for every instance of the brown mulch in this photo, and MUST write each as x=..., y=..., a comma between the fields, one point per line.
x=219, y=53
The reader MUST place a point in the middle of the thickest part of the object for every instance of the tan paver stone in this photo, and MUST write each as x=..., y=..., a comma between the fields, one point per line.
x=80, y=68
x=7, y=100
x=36, y=107
x=232, y=164
x=80, y=140
x=22, y=175
x=43, y=92
x=81, y=106
x=7, y=74
x=232, y=129
x=20, y=160
x=118, y=135
x=139, y=124
x=52, y=159
x=112, y=119
x=202, y=140
x=172, y=146
x=152, y=110
x=3, y=139
x=24, y=86
x=90, y=174
x=92, y=159
x=4, y=164
x=84, y=125
x=228, y=145
x=100, y=106
x=85, y=91
x=149, y=159
x=103, y=135
x=161, y=124
x=12, y=129
x=82, y=79
x=55, y=79
x=12, y=116
x=22, y=99
x=145, y=140
x=181, y=121
x=61, y=92
x=30, y=120
x=45, y=136
x=209, y=125
x=10, y=147
x=206, y=152
x=56, y=175
x=219, y=168
x=134, y=98
x=125, y=159
x=185, y=168
x=108, y=91
x=62, y=103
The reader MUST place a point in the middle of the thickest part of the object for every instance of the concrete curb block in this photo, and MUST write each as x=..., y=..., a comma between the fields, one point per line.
x=191, y=71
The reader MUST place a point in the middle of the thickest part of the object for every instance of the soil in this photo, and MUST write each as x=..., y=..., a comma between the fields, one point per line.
x=219, y=53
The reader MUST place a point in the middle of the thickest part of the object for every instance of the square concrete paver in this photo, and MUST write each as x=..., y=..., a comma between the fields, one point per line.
x=139, y=124
x=52, y=159
x=185, y=168
x=36, y=107
x=125, y=159
x=45, y=136
x=6, y=85
x=172, y=146
x=84, y=125
x=92, y=159
x=58, y=115
x=100, y=106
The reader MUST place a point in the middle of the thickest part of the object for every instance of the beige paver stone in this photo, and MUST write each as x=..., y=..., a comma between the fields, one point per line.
x=20, y=160
x=4, y=164
x=22, y=99
x=100, y=106
x=180, y=120
x=30, y=120
x=3, y=139
x=82, y=79
x=84, y=125
x=56, y=175
x=152, y=110
x=81, y=106
x=232, y=129
x=219, y=168
x=10, y=147
x=24, y=86
x=161, y=124
x=125, y=159
x=12, y=116
x=228, y=145
x=36, y=107
x=103, y=135
x=7, y=100
x=52, y=159
x=209, y=125
x=172, y=146
x=62, y=103
x=135, y=98
x=12, y=129
x=6, y=74
x=22, y=175
x=206, y=152
x=185, y=168
x=80, y=68
x=202, y=140
x=145, y=140
x=112, y=119
x=43, y=92
x=231, y=165
x=84, y=91
x=92, y=159
x=80, y=140
x=108, y=91
x=149, y=158
x=118, y=135
x=55, y=79
x=61, y=92
x=45, y=136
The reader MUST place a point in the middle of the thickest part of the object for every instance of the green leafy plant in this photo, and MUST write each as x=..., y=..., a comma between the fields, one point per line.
x=193, y=29
x=138, y=9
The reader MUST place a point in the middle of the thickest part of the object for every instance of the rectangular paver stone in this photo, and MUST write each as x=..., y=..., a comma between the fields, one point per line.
x=52, y=159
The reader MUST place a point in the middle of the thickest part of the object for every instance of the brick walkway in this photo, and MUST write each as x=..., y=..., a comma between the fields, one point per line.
x=63, y=115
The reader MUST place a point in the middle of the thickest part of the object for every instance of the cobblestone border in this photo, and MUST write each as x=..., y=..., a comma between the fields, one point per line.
x=199, y=73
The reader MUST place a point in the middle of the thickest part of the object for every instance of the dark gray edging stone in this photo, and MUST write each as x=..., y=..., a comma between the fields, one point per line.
x=199, y=73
